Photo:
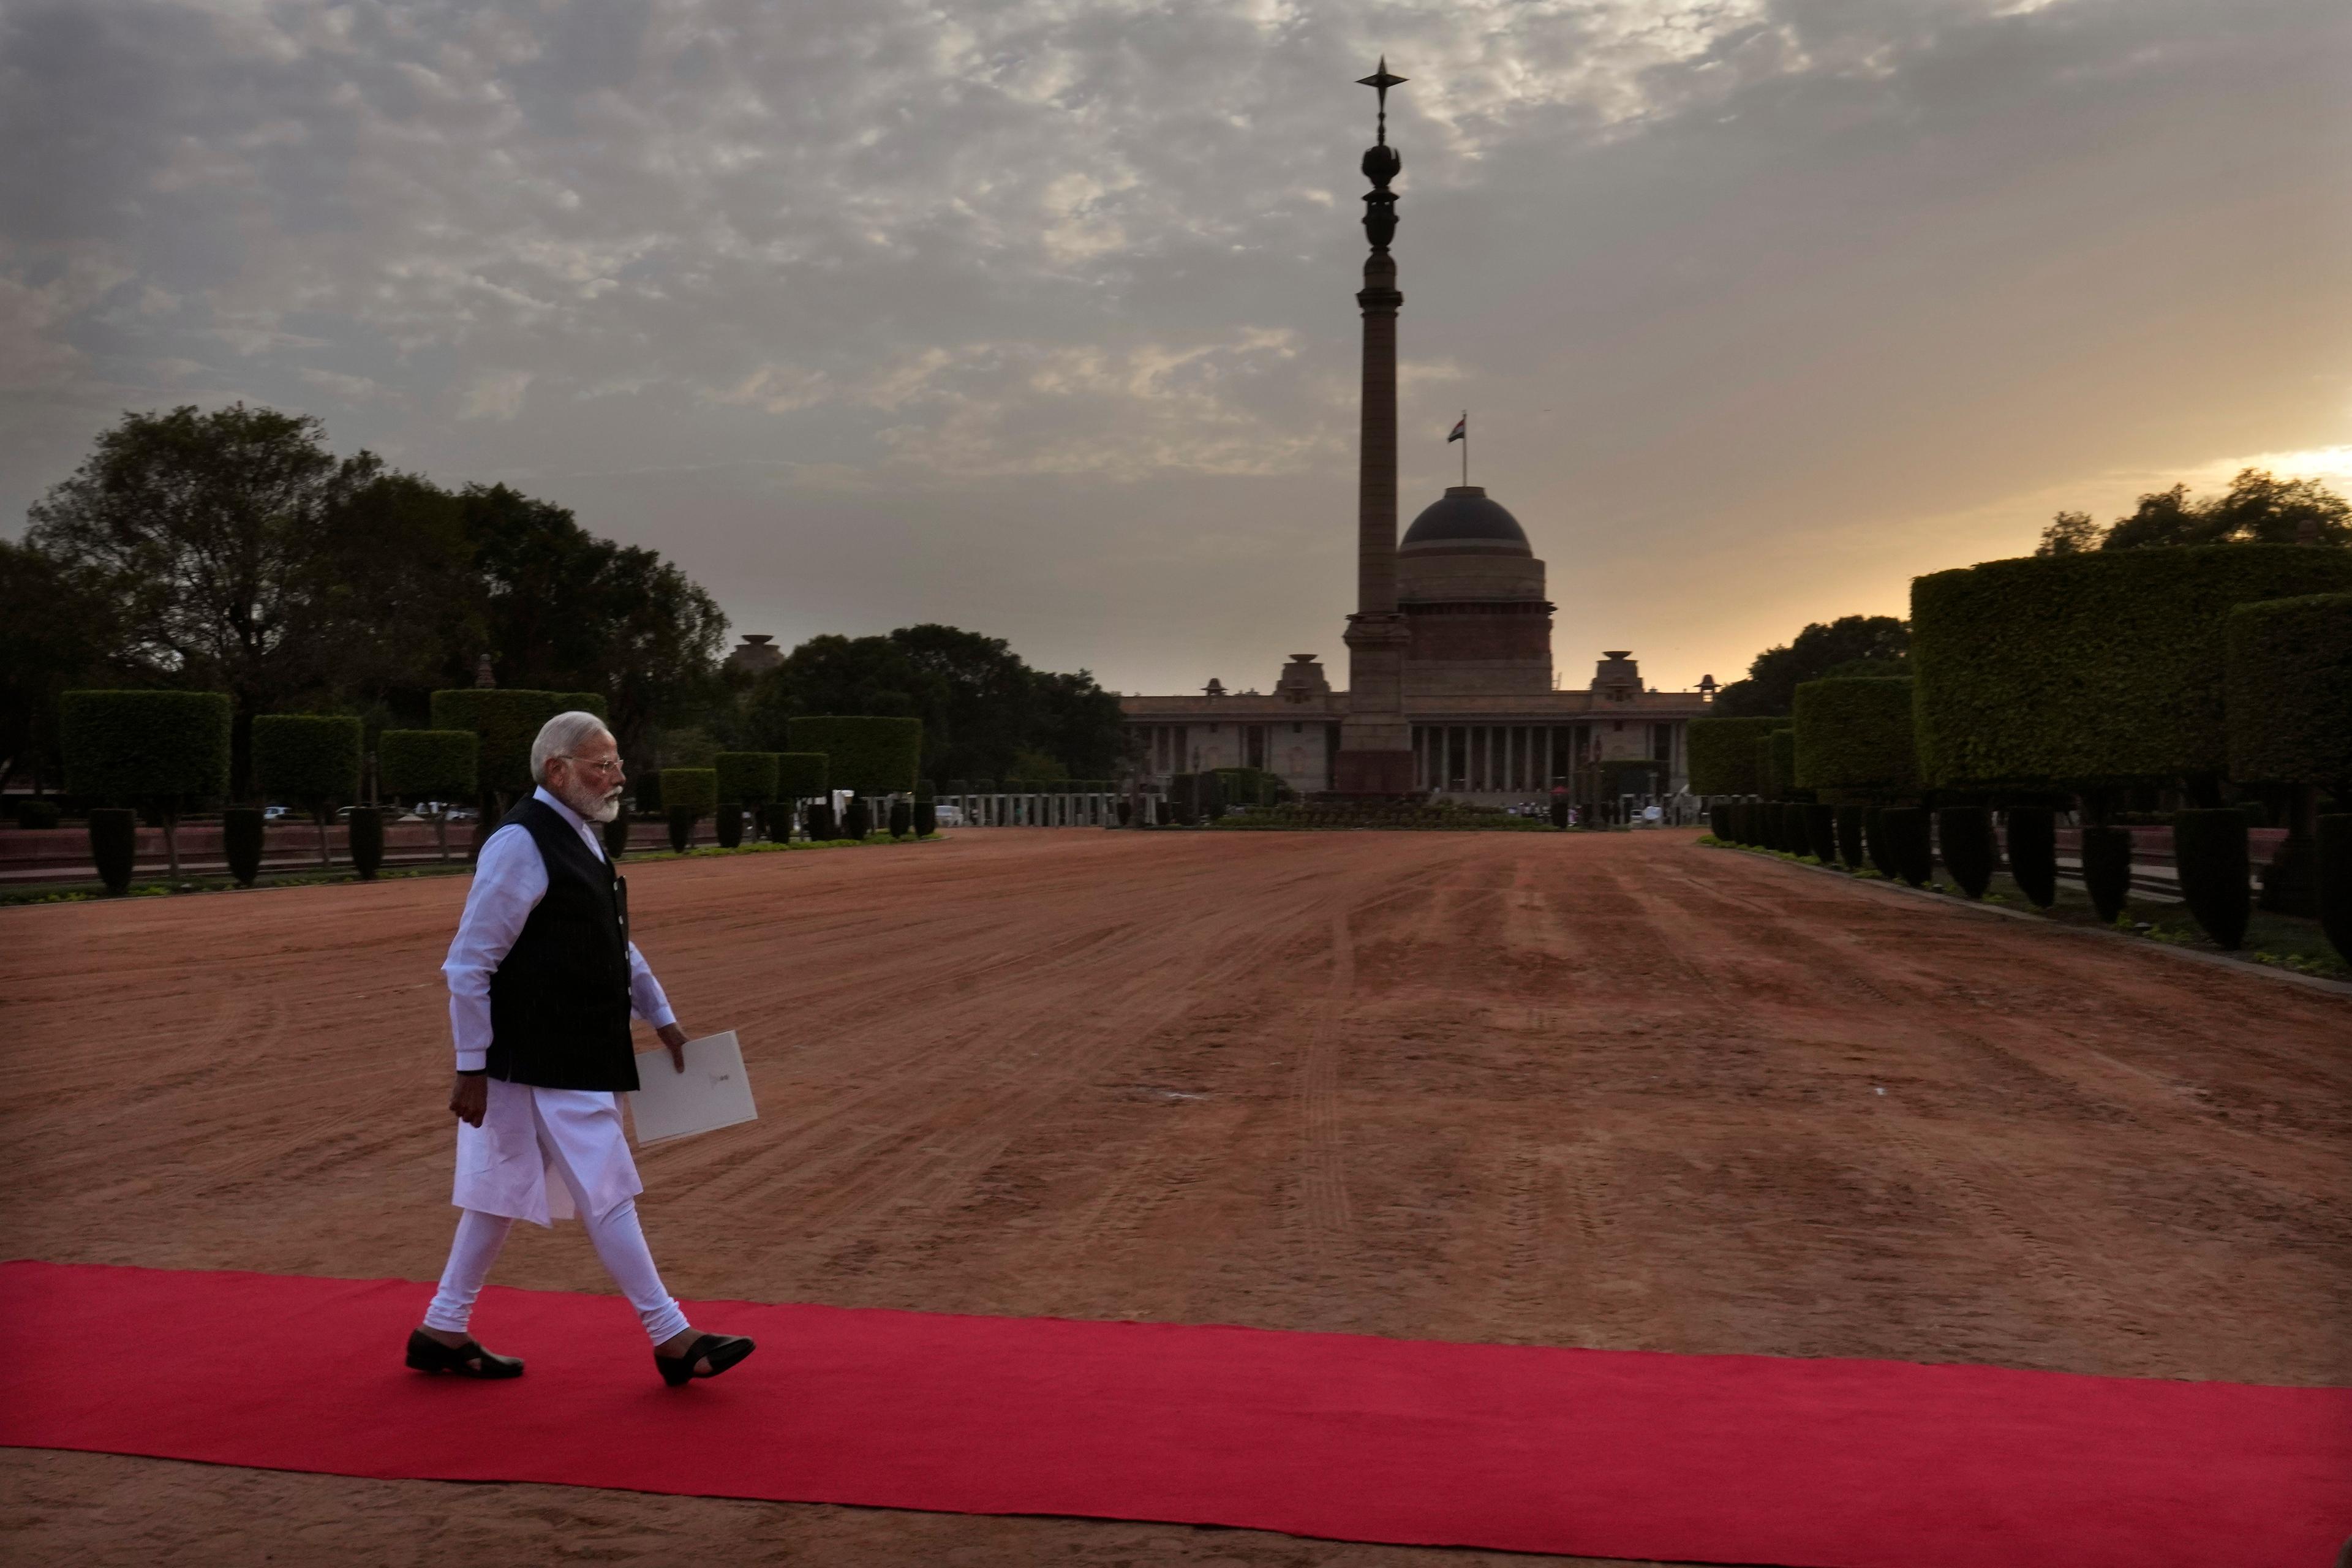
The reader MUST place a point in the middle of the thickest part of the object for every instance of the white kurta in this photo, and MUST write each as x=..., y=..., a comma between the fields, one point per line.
x=527, y=1134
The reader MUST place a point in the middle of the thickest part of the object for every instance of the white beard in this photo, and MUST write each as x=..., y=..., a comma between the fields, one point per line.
x=594, y=808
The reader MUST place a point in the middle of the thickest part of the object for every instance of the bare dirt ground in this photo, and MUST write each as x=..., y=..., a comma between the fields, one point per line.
x=1607, y=1090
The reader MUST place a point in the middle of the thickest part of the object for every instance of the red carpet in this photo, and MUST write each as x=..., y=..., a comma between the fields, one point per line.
x=1840, y=1464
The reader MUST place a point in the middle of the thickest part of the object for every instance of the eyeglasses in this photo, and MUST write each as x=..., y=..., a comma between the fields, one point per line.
x=607, y=767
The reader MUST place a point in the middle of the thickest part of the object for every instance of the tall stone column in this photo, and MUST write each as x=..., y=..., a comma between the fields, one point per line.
x=1375, y=743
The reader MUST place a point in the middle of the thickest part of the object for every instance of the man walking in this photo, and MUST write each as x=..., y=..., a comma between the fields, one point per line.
x=543, y=980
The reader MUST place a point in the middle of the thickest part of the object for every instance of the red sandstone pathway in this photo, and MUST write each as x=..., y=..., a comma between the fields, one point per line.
x=1610, y=1090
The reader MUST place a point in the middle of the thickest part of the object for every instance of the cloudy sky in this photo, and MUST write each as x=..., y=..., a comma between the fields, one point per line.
x=1036, y=316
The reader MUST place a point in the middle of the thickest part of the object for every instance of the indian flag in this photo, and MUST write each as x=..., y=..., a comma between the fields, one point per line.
x=1461, y=430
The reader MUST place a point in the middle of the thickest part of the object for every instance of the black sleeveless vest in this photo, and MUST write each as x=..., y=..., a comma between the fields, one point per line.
x=559, y=999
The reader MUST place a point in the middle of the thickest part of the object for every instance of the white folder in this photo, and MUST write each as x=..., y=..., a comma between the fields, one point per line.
x=713, y=1091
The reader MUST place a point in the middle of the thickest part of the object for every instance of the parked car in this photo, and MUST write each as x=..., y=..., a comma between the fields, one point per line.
x=276, y=813
x=462, y=814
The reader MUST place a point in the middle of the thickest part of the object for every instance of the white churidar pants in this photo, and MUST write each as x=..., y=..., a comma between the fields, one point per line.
x=503, y=1169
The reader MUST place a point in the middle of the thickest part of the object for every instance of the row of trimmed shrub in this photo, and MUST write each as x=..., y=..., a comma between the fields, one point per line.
x=2210, y=854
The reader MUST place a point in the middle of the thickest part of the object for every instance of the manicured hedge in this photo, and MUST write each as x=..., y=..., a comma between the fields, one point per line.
x=2107, y=869
x=2103, y=668
x=2033, y=852
x=1856, y=734
x=242, y=832
x=428, y=765
x=746, y=778
x=1723, y=754
x=693, y=790
x=2209, y=852
x=902, y=819
x=729, y=822
x=366, y=828
x=1768, y=784
x=2289, y=683
x=1821, y=833
x=2335, y=882
x=858, y=822
x=800, y=775
x=1874, y=842
x=114, y=845
x=161, y=747
x=1784, y=760
x=312, y=759
x=507, y=720
x=1971, y=852
x=871, y=756
x=1907, y=843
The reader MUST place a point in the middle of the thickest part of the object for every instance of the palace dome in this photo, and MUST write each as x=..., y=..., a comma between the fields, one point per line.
x=1465, y=522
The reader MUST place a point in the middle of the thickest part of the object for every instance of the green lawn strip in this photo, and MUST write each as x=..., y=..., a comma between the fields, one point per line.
x=2282, y=941
x=86, y=892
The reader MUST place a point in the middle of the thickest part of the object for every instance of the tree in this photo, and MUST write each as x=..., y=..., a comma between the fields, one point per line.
x=2069, y=533
x=565, y=610
x=53, y=635
x=981, y=705
x=203, y=534
x=1770, y=688
x=2258, y=508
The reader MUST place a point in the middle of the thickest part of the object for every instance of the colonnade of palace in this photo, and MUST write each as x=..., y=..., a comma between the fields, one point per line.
x=1486, y=759
x=1092, y=808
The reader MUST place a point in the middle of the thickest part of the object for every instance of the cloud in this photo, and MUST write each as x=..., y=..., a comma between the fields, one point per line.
x=1711, y=274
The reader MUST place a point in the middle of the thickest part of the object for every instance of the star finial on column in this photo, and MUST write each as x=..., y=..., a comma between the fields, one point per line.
x=1381, y=81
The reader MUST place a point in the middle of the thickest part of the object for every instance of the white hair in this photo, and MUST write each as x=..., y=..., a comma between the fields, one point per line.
x=559, y=735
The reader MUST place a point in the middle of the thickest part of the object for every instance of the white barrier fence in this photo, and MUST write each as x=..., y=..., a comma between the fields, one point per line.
x=1038, y=810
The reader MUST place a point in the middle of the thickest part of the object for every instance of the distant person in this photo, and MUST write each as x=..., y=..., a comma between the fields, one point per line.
x=542, y=979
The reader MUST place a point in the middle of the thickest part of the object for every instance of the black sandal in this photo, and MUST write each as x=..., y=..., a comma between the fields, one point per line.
x=723, y=1350
x=426, y=1354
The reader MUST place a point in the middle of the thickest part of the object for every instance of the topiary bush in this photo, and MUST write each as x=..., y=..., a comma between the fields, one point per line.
x=159, y=748
x=729, y=821
x=2289, y=701
x=506, y=721
x=802, y=775
x=35, y=810
x=2107, y=869
x=1821, y=833
x=2099, y=669
x=1970, y=853
x=902, y=818
x=2288, y=680
x=859, y=820
x=242, y=835
x=1856, y=734
x=872, y=756
x=927, y=818
x=821, y=824
x=1796, y=828
x=746, y=778
x=2033, y=852
x=114, y=846
x=2335, y=882
x=1849, y=835
x=2208, y=851
x=311, y=760
x=1768, y=784
x=366, y=829
x=1718, y=817
x=649, y=800
x=1875, y=844
x=690, y=794
x=430, y=764
x=1907, y=843
x=1723, y=754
